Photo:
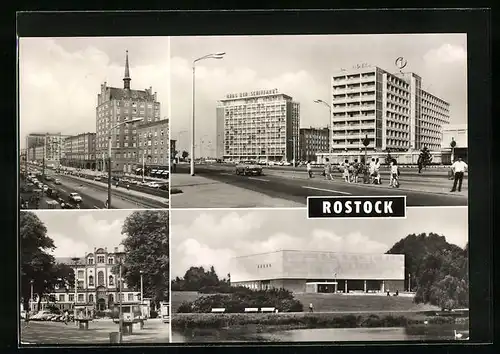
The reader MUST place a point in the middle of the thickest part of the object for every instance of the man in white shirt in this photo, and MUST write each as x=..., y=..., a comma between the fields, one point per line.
x=458, y=168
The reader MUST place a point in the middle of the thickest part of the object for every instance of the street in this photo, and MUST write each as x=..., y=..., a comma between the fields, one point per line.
x=46, y=332
x=431, y=188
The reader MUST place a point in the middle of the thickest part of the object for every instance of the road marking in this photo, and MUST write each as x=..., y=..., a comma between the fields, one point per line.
x=259, y=179
x=326, y=190
x=227, y=174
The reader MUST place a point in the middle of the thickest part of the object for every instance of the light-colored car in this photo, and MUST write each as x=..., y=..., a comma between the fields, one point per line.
x=153, y=185
x=248, y=168
x=57, y=181
x=42, y=315
x=75, y=197
x=45, y=188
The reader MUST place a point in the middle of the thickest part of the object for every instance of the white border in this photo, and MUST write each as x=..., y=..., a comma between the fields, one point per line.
x=361, y=217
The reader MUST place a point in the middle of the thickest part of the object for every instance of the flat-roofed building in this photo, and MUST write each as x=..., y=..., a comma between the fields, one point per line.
x=323, y=272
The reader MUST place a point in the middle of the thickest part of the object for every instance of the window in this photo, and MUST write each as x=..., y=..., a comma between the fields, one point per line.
x=91, y=280
x=111, y=280
x=80, y=274
x=100, y=278
x=80, y=284
x=130, y=297
x=91, y=298
x=110, y=259
x=90, y=261
x=100, y=259
x=81, y=298
x=71, y=297
x=122, y=297
x=61, y=297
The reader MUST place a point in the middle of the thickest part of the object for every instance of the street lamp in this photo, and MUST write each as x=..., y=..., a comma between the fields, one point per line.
x=142, y=300
x=76, y=263
x=144, y=156
x=120, y=322
x=109, y=154
x=330, y=132
x=31, y=298
x=409, y=282
x=219, y=55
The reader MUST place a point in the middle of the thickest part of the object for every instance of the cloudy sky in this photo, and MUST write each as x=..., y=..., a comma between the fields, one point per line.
x=300, y=66
x=78, y=232
x=59, y=78
x=213, y=237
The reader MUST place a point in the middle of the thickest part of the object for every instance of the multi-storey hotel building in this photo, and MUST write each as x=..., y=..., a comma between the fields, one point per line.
x=79, y=151
x=258, y=125
x=97, y=285
x=319, y=272
x=392, y=110
x=116, y=105
x=312, y=141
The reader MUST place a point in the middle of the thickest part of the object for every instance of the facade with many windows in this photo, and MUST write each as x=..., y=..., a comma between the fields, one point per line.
x=48, y=146
x=391, y=110
x=258, y=125
x=115, y=106
x=97, y=285
x=79, y=151
x=312, y=141
x=154, y=149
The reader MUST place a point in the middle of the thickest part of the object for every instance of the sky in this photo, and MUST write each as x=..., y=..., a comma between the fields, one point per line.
x=300, y=66
x=212, y=237
x=78, y=232
x=59, y=78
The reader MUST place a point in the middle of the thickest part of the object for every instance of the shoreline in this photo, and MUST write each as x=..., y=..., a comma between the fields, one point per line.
x=302, y=320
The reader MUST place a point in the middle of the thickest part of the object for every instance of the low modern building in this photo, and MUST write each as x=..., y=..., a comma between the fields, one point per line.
x=97, y=285
x=458, y=134
x=312, y=141
x=319, y=272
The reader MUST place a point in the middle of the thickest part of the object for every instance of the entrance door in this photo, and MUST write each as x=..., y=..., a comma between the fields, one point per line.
x=101, y=304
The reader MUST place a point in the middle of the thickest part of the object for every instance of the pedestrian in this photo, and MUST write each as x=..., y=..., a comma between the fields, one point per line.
x=394, y=179
x=174, y=164
x=27, y=318
x=372, y=170
x=357, y=170
x=328, y=169
x=345, y=173
x=66, y=317
x=309, y=169
x=311, y=308
x=351, y=172
x=458, y=168
x=377, y=171
x=128, y=186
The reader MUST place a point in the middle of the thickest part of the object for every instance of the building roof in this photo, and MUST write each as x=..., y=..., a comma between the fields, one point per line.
x=123, y=94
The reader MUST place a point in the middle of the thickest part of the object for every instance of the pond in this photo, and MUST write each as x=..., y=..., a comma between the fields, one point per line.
x=417, y=333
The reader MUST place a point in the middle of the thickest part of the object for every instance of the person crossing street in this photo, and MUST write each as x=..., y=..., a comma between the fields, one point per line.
x=458, y=168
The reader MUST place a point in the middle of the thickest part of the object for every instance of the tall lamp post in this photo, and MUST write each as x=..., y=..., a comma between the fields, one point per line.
x=453, y=144
x=109, y=154
x=120, y=321
x=219, y=55
x=31, y=298
x=142, y=299
x=330, y=132
x=144, y=156
x=76, y=263
x=409, y=282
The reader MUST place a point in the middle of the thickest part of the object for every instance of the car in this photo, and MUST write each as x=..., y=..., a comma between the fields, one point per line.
x=153, y=185
x=45, y=188
x=248, y=168
x=57, y=181
x=97, y=178
x=75, y=197
x=48, y=178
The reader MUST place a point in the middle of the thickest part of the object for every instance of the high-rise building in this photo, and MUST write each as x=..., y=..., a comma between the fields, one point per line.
x=391, y=110
x=116, y=105
x=154, y=148
x=312, y=141
x=258, y=125
x=48, y=146
x=97, y=285
x=79, y=151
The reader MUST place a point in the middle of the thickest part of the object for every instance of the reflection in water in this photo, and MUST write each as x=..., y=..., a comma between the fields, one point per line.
x=417, y=333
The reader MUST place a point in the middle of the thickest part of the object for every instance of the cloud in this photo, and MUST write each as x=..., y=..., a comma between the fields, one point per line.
x=447, y=53
x=68, y=247
x=59, y=81
x=210, y=240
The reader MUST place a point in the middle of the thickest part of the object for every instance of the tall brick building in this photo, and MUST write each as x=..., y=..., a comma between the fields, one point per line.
x=115, y=105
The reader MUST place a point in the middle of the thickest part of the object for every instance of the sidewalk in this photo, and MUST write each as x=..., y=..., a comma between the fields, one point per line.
x=436, y=185
x=122, y=190
x=201, y=192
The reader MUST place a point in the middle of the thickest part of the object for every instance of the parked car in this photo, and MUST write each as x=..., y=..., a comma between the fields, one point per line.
x=75, y=197
x=97, y=178
x=248, y=168
x=57, y=181
x=153, y=185
x=45, y=188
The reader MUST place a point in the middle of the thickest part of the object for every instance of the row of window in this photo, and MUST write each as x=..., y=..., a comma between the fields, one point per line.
x=91, y=297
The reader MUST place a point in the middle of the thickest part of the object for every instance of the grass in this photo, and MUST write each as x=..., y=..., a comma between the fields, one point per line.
x=287, y=321
x=332, y=302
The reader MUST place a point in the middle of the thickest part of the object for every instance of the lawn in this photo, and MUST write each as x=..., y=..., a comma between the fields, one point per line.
x=333, y=302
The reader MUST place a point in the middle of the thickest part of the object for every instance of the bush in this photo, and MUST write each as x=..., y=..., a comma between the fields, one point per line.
x=185, y=307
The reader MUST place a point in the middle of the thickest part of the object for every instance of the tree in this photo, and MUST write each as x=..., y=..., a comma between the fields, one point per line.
x=147, y=250
x=185, y=154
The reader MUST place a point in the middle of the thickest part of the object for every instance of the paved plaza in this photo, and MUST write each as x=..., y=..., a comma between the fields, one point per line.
x=46, y=332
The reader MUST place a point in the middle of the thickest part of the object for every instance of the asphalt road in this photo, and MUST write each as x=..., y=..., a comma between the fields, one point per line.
x=298, y=189
x=95, y=196
x=46, y=332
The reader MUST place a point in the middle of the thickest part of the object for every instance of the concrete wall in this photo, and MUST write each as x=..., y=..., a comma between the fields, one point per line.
x=257, y=267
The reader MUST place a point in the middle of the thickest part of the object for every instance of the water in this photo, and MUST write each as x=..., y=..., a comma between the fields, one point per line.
x=417, y=333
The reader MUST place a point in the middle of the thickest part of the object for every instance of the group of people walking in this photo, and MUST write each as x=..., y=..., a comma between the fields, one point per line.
x=353, y=171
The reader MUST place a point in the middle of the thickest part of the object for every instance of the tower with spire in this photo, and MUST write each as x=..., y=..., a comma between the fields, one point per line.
x=126, y=78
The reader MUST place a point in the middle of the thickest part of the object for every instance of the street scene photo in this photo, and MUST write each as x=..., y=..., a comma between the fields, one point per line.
x=266, y=121
x=94, y=277
x=274, y=276
x=93, y=132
